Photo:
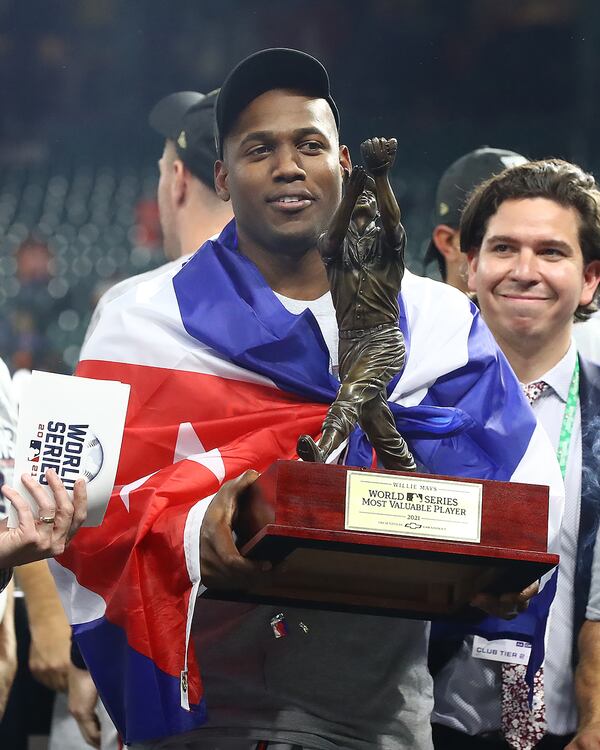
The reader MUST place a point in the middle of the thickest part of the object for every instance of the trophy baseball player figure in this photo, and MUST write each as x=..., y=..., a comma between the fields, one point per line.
x=363, y=252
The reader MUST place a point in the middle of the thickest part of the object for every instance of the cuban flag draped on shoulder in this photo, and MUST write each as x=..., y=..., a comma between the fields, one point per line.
x=223, y=379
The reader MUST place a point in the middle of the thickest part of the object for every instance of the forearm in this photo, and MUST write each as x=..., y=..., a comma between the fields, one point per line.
x=587, y=675
x=41, y=596
x=7, y=626
x=48, y=625
x=340, y=221
x=389, y=209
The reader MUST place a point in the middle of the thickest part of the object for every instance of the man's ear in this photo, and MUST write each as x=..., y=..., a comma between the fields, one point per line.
x=591, y=278
x=473, y=261
x=221, y=182
x=345, y=162
x=445, y=239
x=179, y=185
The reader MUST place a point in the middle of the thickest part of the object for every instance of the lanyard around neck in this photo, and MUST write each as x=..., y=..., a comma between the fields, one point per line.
x=566, y=430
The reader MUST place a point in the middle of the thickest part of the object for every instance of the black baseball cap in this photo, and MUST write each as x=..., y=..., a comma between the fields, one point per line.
x=187, y=119
x=274, y=68
x=460, y=179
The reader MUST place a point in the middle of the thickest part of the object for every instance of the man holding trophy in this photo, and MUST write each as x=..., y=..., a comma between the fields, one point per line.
x=228, y=363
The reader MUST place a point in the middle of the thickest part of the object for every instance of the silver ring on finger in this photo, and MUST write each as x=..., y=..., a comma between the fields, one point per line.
x=46, y=519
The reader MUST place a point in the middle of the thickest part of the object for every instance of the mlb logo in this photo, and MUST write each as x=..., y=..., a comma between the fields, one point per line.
x=35, y=448
x=412, y=496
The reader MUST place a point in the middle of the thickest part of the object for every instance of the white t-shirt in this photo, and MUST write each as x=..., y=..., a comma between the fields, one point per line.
x=324, y=312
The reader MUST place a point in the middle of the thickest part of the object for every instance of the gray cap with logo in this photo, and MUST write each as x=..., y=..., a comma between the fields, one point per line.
x=187, y=119
x=460, y=179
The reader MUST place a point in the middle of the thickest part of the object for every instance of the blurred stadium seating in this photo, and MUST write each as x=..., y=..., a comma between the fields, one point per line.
x=96, y=225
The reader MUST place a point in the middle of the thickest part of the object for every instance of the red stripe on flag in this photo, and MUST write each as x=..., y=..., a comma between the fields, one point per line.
x=221, y=410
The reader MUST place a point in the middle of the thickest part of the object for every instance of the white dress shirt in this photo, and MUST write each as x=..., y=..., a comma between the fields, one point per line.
x=468, y=690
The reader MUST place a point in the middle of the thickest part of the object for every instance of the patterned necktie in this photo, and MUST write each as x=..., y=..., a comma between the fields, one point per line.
x=523, y=726
x=534, y=390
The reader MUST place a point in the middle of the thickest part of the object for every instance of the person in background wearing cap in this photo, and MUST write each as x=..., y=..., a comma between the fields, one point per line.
x=250, y=322
x=461, y=177
x=189, y=210
x=532, y=238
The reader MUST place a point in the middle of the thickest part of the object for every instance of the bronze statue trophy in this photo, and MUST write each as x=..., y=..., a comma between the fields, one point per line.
x=363, y=252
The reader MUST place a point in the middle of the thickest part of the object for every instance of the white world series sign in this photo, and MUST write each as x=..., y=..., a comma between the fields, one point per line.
x=75, y=426
x=413, y=506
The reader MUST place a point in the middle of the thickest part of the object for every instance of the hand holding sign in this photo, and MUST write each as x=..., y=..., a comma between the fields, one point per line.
x=44, y=533
x=73, y=427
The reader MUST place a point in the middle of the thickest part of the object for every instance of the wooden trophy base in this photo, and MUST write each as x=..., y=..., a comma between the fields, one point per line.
x=298, y=515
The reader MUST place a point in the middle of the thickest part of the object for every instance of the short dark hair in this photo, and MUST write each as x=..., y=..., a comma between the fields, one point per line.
x=554, y=179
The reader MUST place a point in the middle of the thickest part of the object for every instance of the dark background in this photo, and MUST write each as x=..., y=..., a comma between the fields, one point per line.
x=78, y=77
